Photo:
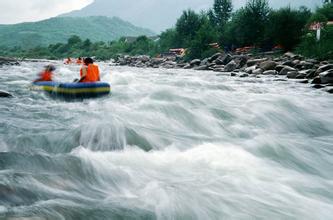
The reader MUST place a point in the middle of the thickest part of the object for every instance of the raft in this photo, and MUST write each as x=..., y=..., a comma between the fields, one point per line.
x=73, y=90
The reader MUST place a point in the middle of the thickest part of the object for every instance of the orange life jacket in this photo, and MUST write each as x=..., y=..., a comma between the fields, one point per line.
x=92, y=73
x=45, y=76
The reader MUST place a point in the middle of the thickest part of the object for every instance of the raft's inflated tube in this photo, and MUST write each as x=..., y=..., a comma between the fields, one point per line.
x=74, y=90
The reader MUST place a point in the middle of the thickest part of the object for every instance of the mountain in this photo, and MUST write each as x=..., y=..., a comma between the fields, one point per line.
x=58, y=30
x=159, y=15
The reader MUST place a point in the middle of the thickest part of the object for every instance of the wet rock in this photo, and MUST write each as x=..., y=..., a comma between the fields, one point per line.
x=223, y=60
x=318, y=86
x=240, y=60
x=250, y=69
x=313, y=61
x=316, y=80
x=270, y=72
x=157, y=61
x=280, y=80
x=286, y=70
x=258, y=72
x=214, y=57
x=305, y=81
x=143, y=58
x=219, y=69
x=255, y=61
x=329, y=90
x=268, y=65
x=231, y=66
x=244, y=75
x=204, y=62
x=278, y=68
x=327, y=76
x=292, y=74
x=8, y=61
x=290, y=55
x=233, y=74
x=324, y=68
x=202, y=67
x=288, y=63
x=187, y=66
x=195, y=62
x=306, y=65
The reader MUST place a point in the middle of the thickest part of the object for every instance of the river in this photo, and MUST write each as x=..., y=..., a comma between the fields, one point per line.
x=167, y=144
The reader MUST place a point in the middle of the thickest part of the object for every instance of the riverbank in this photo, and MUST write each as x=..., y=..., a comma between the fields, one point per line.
x=289, y=65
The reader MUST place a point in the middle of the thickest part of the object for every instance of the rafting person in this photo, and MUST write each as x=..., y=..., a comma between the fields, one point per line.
x=68, y=60
x=47, y=74
x=89, y=71
x=79, y=61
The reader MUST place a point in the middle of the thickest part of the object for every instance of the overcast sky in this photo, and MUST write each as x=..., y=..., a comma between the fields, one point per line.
x=14, y=11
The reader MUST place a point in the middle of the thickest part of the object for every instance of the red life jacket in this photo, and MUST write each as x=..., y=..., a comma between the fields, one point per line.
x=92, y=73
x=45, y=76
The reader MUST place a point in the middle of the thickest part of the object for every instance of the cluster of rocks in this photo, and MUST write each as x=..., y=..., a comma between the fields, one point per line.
x=8, y=61
x=290, y=65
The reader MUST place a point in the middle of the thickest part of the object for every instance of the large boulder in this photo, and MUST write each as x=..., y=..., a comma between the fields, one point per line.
x=214, y=57
x=324, y=68
x=286, y=70
x=250, y=69
x=240, y=60
x=268, y=65
x=223, y=60
x=187, y=66
x=316, y=81
x=292, y=74
x=279, y=67
x=231, y=66
x=204, y=62
x=305, y=65
x=327, y=76
x=195, y=62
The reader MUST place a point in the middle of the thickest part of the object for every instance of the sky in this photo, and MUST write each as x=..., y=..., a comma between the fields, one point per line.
x=15, y=11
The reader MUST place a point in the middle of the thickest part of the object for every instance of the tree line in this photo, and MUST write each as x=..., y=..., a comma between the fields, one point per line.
x=256, y=25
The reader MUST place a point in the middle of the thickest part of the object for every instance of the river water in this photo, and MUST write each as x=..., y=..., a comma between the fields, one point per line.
x=167, y=144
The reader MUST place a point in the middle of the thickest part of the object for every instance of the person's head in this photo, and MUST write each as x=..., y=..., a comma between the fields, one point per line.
x=50, y=67
x=79, y=58
x=88, y=61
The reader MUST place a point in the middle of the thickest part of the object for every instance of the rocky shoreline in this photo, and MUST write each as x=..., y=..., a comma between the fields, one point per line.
x=288, y=65
x=8, y=61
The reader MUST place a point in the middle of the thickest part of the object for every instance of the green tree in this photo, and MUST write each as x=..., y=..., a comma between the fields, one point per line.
x=221, y=13
x=187, y=26
x=168, y=39
x=74, y=40
x=206, y=35
x=286, y=25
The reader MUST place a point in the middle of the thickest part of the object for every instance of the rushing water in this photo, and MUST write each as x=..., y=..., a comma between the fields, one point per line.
x=167, y=144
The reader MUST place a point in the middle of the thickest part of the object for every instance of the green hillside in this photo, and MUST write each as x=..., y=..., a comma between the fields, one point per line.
x=59, y=29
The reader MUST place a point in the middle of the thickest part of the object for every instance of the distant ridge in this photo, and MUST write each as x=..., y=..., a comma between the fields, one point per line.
x=59, y=29
x=158, y=15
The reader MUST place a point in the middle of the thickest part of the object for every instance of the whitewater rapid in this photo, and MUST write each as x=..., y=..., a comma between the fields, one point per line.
x=167, y=144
